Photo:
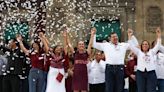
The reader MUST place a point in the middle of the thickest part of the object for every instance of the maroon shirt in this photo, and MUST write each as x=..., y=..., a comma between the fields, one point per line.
x=130, y=68
x=47, y=62
x=80, y=75
x=57, y=62
x=81, y=58
x=66, y=63
x=37, y=60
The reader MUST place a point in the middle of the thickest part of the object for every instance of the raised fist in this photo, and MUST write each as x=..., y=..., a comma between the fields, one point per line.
x=130, y=32
x=93, y=31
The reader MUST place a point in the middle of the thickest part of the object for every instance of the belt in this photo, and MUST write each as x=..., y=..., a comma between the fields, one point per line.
x=80, y=62
x=114, y=65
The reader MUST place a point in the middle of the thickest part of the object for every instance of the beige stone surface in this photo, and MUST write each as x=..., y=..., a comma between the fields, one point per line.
x=140, y=16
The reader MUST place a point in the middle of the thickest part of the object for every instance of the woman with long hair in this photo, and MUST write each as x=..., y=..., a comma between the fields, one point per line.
x=57, y=71
x=36, y=55
x=145, y=76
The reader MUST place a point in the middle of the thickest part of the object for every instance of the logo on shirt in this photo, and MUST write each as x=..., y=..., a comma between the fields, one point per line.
x=146, y=58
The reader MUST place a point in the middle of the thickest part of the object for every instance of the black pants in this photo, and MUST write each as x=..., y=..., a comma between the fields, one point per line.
x=11, y=83
x=1, y=79
x=97, y=87
x=24, y=85
x=114, y=78
x=132, y=87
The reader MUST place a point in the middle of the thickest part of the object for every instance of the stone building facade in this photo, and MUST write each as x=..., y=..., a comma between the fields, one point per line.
x=149, y=15
x=143, y=16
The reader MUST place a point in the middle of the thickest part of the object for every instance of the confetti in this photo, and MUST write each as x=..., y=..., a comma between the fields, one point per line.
x=33, y=80
x=72, y=13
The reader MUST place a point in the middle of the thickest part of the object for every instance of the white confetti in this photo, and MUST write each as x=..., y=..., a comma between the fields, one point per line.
x=11, y=68
x=33, y=80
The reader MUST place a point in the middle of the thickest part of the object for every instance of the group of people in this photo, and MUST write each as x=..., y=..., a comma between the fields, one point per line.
x=66, y=69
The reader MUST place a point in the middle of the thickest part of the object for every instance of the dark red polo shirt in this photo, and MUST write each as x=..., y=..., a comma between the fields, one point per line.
x=37, y=60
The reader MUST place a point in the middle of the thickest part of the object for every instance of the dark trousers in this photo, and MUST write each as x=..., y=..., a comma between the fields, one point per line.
x=97, y=87
x=160, y=85
x=1, y=80
x=132, y=87
x=68, y=84
x=114, y=78
x=11, y=83
x=146, y=81
x=125, y=90
x=24, y=85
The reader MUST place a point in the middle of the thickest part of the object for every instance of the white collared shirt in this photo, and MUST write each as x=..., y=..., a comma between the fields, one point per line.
x=114, y=54
x=160, y=65
x=96, y=72
x=145, y=61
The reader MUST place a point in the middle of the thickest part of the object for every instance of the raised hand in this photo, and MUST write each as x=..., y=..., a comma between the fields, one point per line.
x=158, y=32
x=130, y=33
x=19, y=37
x=93, y=31
x=41, y=35
x=65, y=33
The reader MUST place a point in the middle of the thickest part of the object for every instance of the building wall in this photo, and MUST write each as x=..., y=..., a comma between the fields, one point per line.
x=132, y=14
x=79, y=21
x=141, y=16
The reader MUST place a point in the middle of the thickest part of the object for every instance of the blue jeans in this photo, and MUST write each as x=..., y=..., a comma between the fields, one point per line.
x=36, y=77
x=146, y=81
x=45, y=82
x=114, y=77
x=160, y=85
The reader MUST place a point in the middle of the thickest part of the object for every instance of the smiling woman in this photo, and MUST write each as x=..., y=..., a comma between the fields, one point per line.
x=146, y=76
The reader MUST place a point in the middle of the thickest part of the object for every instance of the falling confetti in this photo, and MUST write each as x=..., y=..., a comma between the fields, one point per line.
x=50, y=15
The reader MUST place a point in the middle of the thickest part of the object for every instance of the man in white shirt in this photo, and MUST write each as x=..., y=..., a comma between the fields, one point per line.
x=96, y=73
x=115, y=55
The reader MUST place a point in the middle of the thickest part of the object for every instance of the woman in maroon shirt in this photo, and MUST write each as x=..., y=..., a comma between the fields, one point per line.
x=80, y=75
x=58, y=63
x=130, y=71
x=36, y=55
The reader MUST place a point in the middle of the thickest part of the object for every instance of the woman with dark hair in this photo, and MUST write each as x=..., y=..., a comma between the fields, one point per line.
x=56, y=74
x=36, y=55
x=145, y=76
x=130, y=71
x=80, y=75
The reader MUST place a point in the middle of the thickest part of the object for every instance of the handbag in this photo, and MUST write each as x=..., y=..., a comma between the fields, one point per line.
x=59, y=77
